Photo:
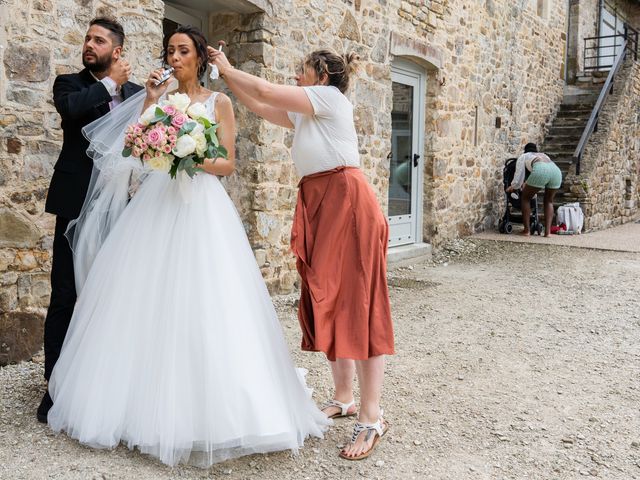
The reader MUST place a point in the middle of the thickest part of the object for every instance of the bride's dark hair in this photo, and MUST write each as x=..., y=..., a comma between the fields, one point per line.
x=199, y=41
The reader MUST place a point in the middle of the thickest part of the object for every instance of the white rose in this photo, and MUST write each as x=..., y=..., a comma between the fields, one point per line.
x=185, y=145
x=179, y=100
x=197, y=110
x=201, y=143
x=162, y=163
x=148, y=115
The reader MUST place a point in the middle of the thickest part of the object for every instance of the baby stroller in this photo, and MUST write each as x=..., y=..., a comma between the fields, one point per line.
x=513, y=202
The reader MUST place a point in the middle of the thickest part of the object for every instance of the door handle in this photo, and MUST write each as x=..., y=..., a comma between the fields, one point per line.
x=416, y=157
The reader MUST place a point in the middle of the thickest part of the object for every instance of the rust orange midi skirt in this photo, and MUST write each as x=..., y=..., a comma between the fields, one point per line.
x=340, y=238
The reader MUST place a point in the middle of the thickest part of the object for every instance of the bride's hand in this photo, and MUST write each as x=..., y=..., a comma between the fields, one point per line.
x=219, y=59
x=154, y=92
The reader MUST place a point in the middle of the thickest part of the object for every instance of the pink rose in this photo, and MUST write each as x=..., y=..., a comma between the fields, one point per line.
x=146, y=157
x=167, y=148
x=144, y=146
x=173, y=138
x=169, y=110
x=138, y=141
x=156, y=137
x=171, y=130
x=137, y=151
x=179, y=120
x=138, y=128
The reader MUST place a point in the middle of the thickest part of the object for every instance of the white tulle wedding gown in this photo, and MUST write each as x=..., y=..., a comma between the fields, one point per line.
x=174, y=346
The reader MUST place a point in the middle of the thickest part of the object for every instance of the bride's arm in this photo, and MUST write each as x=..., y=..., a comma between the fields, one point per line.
x=226, y=136
x=154, y=92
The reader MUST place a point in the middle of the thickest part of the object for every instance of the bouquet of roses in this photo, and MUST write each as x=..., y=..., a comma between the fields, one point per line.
x=174, y=135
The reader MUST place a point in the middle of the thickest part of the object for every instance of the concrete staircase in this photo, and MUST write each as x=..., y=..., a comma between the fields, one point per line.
x=566, y=129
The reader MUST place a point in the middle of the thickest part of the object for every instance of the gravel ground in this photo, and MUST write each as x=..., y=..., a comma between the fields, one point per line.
x=513, y=361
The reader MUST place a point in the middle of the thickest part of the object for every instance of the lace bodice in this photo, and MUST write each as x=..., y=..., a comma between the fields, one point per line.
x=210, y=105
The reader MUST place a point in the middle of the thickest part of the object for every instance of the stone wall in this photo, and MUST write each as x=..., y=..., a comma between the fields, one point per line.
x=504, y=60
x=264, y=187
x=609, y=184
x=630, y=11
x=40, y=39
x=583, y=23
x=502, y=63
x=494, y=81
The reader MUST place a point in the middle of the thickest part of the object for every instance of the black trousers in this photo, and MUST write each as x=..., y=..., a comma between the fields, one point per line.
x=63, y=297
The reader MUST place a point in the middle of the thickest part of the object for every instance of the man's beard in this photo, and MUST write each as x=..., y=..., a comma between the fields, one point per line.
x=97, y=64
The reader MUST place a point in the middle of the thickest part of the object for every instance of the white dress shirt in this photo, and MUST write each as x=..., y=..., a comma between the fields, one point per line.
x=113, y=89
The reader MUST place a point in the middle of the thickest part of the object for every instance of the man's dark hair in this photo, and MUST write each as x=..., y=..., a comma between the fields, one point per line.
x=117, y=32
x=530, y=147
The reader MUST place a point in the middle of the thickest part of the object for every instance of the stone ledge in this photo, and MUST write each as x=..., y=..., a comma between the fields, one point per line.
x=428, y=55
x=406, y=252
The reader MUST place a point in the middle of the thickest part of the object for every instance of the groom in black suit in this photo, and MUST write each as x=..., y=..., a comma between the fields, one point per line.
x=80, y=98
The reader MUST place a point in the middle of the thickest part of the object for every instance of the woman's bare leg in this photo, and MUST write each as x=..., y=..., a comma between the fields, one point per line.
x=549, y=195
x=343, y=371
x=525, y=202
x=370, y=376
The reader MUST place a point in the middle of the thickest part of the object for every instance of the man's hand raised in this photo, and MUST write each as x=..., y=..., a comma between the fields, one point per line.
x=120, y=71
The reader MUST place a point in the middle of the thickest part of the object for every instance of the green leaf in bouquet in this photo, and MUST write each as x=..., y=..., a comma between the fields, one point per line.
x=187, y=128
x=210, y=134
x=173, y=171
x=205, y=122
x=222, y=152
x=185, y=161
x=212, y=128
x=127, y=152
x=167, y=121
x=188, y=165
x=160, y=116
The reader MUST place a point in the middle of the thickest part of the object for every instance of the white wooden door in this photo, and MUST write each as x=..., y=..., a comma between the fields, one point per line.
x=609, y=48
x=407, y=144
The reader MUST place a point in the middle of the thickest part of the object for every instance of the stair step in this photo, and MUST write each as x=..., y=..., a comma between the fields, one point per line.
x=559, y=154
x=579, y=107
x=557, y=129
x=555, y=139
x=562, y=114
x=571, y=122
x=562, y=157
x=568, y=148
x=581, y=114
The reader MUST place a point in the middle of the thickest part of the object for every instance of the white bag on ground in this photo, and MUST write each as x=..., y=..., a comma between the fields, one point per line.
x=571, y=215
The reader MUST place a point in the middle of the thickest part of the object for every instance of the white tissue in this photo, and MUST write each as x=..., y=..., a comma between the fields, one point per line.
x=214, y=75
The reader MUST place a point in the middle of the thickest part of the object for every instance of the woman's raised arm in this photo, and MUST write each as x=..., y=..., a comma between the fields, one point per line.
x=287, y=98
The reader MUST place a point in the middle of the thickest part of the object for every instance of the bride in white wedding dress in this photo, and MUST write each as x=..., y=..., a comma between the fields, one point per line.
x=174, y=346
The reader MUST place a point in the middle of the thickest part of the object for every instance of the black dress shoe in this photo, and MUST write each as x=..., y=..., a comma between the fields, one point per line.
x=43, y=409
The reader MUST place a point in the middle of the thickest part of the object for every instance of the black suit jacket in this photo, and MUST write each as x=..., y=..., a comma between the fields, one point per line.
x=79, y=99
